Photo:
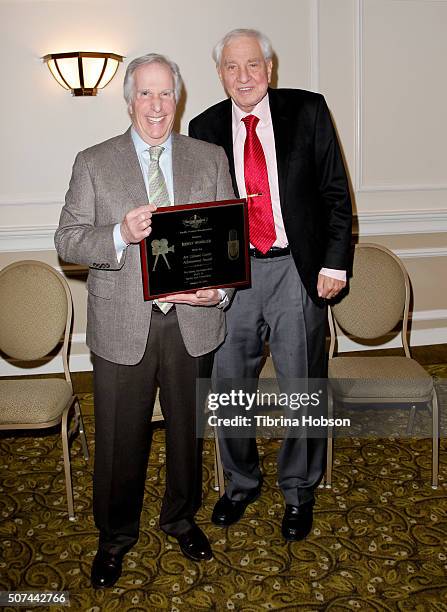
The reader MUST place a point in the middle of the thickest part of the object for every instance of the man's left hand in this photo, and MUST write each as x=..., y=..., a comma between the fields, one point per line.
x=203, y=297
x=328, y=287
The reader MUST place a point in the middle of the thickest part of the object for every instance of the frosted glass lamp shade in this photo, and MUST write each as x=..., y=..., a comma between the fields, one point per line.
x=83, y=72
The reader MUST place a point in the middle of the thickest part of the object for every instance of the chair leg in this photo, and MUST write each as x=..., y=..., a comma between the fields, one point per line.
x=218, y=469
x=67, y=466
x=435, y=440
x=81, y=430
x=410, y=424
x=330, y=443
x=216, y=475
x=329, y=459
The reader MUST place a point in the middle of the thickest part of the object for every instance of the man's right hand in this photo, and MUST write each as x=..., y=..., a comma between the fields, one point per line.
x=136, y=225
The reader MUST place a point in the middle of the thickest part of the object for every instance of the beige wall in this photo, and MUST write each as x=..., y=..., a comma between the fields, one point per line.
x=380, y=64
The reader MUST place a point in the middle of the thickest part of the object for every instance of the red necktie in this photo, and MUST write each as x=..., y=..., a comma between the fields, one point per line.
x=260, y=214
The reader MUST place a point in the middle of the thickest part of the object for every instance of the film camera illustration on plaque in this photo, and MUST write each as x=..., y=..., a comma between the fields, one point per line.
x=160, y=247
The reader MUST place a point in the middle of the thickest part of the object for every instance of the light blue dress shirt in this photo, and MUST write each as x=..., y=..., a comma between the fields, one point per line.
x=142, y=150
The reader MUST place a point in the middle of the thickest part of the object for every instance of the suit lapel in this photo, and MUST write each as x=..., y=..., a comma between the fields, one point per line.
x=128, y=168
x=182, y=169
x=224, y=137
x=282, y=142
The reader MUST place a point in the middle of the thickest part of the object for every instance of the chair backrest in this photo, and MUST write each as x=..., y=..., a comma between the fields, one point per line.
x=378, y=297
x=35, y=311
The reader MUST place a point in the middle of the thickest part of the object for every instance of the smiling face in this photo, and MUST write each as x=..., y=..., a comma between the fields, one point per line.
x=153, y=106
x=244, y=72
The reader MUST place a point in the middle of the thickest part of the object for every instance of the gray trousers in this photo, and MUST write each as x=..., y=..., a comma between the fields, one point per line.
x=278, y=307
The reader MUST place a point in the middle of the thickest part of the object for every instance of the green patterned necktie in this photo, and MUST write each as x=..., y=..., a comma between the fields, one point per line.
x=158, y=192
x=158, y=195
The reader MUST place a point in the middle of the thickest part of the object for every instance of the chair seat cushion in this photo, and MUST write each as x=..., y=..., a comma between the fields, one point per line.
x=27, y=401
x=380, y=378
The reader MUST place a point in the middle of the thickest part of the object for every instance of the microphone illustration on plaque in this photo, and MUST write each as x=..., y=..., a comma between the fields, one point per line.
x=233, y=245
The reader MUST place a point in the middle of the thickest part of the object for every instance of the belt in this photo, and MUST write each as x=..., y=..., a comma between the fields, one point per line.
x=273, y=252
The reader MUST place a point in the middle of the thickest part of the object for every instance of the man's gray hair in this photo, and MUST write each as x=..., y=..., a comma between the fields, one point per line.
x=262, y=39
x=150, y=58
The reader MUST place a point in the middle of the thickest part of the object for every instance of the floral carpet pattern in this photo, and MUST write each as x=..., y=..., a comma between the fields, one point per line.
x=379, y=541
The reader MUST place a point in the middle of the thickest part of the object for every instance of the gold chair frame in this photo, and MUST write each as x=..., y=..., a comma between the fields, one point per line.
x=63, y=418
x=430, y=398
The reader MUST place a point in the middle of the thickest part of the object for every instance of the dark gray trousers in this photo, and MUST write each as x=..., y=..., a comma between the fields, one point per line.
x=124, y=402
x=276, y=305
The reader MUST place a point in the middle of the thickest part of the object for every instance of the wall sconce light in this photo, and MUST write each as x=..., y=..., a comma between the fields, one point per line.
x=83, y=72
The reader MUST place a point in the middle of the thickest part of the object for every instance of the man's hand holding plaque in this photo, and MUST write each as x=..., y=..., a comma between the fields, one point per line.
x=136, y=225
x=203, y=297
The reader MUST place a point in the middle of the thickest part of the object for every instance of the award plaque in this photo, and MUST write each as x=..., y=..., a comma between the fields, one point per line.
x=196, y=246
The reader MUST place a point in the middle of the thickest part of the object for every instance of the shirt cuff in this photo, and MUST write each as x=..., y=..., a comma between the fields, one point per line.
x=338, y=274
x=118, y=241
x=223, y=298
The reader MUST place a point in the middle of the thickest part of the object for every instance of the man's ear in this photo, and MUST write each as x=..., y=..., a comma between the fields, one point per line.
x=269, y=65
x=219, y=73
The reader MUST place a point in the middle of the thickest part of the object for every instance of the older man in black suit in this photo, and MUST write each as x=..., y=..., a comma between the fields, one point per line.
x=281, y=143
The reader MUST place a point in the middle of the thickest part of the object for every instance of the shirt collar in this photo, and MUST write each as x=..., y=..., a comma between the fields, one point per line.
x=141, y=145
x=261, y=110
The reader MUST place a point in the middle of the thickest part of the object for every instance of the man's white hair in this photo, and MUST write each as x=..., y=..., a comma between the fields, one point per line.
x=150, y=58
x=262, y=39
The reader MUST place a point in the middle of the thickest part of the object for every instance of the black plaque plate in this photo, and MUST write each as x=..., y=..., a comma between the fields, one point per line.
x=196, y=246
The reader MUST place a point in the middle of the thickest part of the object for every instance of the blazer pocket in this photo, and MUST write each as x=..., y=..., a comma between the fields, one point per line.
x=100, y=287
x=202, y=191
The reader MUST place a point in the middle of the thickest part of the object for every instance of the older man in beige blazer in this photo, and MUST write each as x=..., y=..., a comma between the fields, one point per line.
x=136, y=345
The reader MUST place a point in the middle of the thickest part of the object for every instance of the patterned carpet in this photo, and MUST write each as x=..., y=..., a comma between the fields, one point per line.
x=379, y=541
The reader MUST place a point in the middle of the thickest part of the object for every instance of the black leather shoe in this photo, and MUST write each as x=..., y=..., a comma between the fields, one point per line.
x=226, y=511
x=106, y=569
x=194, y=544
x=297, y=522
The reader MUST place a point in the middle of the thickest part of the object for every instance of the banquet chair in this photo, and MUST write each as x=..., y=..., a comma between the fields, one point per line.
x=376, y=304
x=35, y=315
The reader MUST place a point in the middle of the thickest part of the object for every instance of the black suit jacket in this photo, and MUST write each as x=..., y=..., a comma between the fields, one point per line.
x=313, y=186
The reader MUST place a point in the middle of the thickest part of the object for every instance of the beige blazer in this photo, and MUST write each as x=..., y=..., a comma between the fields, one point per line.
x=106, y=183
